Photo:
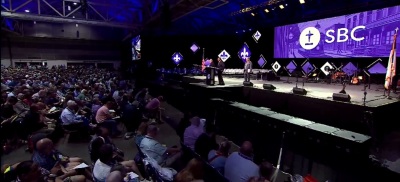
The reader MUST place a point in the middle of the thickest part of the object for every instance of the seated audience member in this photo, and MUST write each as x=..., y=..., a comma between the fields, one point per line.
x=102, y=167
x=206, y=142
x=155, y=150
x=8, y=172
x=131, y=117
x=153, y=108
x=21, y=107
x=95, y=106
x=140, y=96
x=33, y=121
x=217, y=158
x=183, y=124
x=71, y=121
x=192, y=132
x=105, y=118
x=193, y=172
x=141, y=133
x=102, y=137
x=266, y=170
x=239, y=166
x=47, y=157
x=29, y=171
x=117, y=174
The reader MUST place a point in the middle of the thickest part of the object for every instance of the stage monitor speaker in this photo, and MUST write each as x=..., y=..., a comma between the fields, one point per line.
x=299, y=91
x=248, y=84
x=341, y=97
x=268, y=86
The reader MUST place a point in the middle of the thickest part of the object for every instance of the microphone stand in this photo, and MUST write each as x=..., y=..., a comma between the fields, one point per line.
x=278, y=164
x=287, y=81
x=365, y=94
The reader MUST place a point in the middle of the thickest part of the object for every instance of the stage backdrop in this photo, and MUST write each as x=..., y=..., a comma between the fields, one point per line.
x=365, y=34
x=159, y=49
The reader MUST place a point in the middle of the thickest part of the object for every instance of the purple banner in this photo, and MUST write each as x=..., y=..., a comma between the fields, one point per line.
x=365, y=34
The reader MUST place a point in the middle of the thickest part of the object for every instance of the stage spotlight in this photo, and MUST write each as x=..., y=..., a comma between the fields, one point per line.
x=27, y=11
x=252, y=14
x=281, y=6
x=266, y=10
x=302, y=1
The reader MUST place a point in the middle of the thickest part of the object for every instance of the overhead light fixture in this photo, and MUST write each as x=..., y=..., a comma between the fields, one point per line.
x=3, y=1
x=27, y=11
x=75, y=4
x=266, y=10
x=69, y=8
x=76, y=25
x=252, y=14
x=281, y=6
x=73, y=16
x=34, y=22
x=302, y=1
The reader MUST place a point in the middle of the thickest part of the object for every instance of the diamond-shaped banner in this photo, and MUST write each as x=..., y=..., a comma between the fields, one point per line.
x=224, y=55
x=349, y=68
x=276, y=66
x=256, y=36
x=194, y=47
x=177, y=58
x=326, y=67
x=291, y=67
x=244, y=52
x=261, y=62
x=308, y=68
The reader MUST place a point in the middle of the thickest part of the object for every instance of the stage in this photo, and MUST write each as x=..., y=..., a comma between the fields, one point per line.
x=318, y=105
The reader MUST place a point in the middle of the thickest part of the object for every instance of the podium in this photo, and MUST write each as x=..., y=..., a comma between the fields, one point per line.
x=210, y=76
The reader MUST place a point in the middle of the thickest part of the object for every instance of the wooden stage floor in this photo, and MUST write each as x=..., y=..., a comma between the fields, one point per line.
x=374, y=97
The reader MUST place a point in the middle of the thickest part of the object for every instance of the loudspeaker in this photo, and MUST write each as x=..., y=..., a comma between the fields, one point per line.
x=341, y=97
x=268, y=86
x=300, y=91
x=248, y=84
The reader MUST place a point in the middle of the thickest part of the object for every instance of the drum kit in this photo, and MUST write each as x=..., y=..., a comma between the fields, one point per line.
x=343, y=76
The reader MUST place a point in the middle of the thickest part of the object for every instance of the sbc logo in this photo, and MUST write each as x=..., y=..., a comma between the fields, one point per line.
x=310, y=37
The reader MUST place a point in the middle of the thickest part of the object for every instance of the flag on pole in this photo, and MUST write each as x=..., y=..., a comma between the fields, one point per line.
x=391, y=68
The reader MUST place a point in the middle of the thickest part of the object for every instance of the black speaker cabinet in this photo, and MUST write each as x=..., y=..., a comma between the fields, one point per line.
x=268, y=86
x=299, y=91
x=341, y=97
x=248, y=84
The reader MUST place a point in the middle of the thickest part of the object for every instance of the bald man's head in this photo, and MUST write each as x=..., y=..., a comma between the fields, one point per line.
x=45, y=146
x=247, y=148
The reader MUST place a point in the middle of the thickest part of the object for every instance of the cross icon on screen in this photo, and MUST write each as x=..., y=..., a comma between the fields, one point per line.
x=309, y=38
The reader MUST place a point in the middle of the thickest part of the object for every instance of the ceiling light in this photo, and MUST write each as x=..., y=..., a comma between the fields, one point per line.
x=69, y=8
x=252, y=14
x=75, y=4
x=302, y=1
x=76, y=25
x=3, y=1
x=266, y=10
x=73, y=16
x=281, y=6
x=27, y=11
x=34, y=22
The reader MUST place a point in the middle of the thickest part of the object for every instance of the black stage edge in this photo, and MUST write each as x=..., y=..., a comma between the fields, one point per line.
x=339, y=114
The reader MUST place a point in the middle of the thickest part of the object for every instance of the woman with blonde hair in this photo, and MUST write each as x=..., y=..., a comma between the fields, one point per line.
x=193, y=172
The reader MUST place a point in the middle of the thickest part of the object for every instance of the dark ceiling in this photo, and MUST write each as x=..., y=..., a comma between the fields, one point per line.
x=173, y=17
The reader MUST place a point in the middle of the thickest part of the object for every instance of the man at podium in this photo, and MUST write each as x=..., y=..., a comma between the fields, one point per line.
x=210, y=72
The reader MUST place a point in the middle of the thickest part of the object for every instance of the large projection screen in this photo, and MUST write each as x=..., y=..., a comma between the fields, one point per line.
x=365, y=34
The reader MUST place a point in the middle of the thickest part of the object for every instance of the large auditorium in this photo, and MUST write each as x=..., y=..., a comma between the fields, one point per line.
x=200, y=91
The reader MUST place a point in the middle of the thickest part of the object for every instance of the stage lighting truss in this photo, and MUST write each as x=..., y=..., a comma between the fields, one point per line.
x=177, y=58
x=307, y=68
x=349, y=68
x=291, y=67
x=194, y=47
x=261, y=61
x=224, y=55
x=256, y=36
x=376, y=68
x=276, y=66
x=244, y=52
x=326, y=67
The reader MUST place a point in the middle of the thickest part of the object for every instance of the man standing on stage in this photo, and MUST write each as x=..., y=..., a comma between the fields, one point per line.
x=221, y=67
x=248, y=66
